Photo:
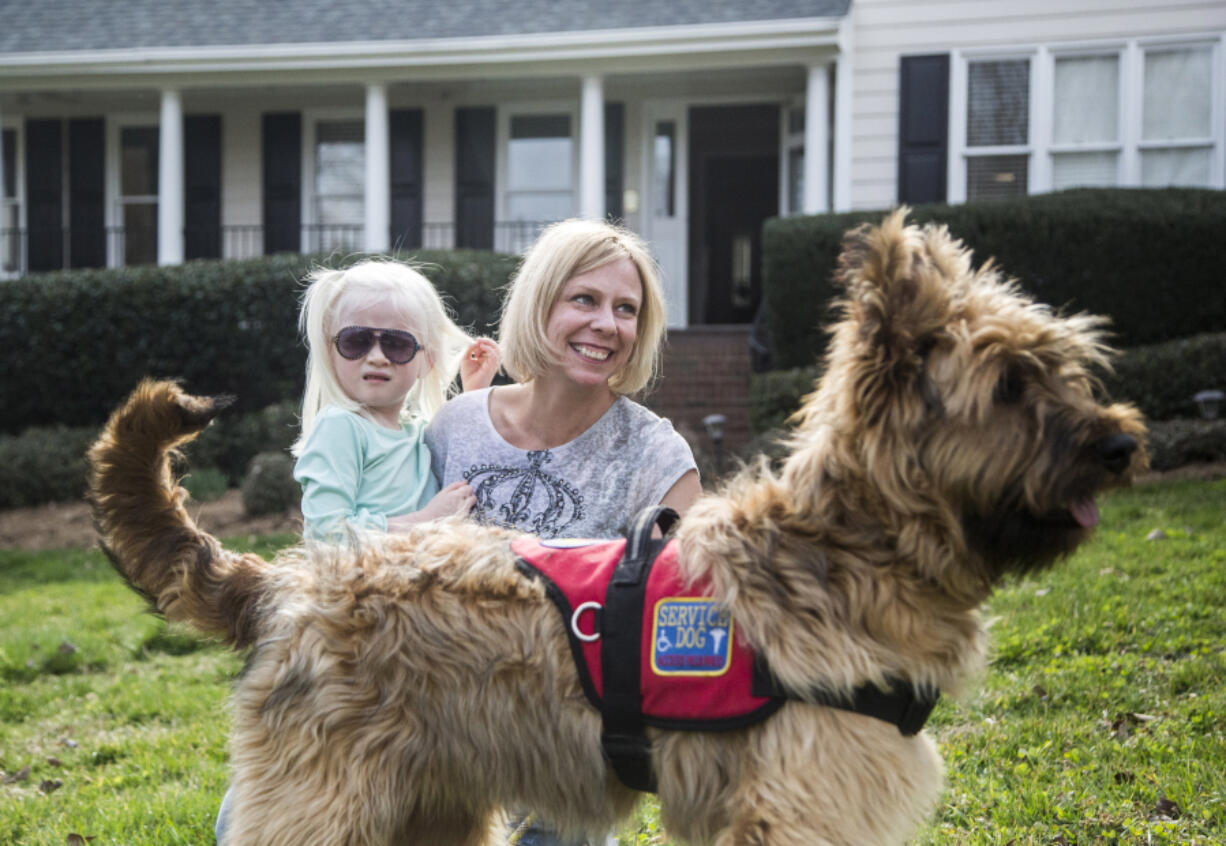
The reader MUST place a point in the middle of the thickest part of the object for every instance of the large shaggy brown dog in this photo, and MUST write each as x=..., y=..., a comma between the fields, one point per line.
x=405, y=690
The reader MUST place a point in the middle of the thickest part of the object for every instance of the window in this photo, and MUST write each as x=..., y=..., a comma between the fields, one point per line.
x=794, y=145
x=340, y=185
x=540, y=168
x=997, y=129
x=10, y=210
x=138, y=193
x=1086, y=121
x=664, y=169
x=1176, y=116
x=1127, y=113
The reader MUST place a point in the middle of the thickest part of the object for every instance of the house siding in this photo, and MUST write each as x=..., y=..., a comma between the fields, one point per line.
x=884, y=30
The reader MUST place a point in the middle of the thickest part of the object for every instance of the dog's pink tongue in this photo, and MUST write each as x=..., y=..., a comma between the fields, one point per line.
x=1085, y=512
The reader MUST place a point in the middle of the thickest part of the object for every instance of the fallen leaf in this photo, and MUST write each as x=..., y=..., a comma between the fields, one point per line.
x=75, y=839
x=70, y=743
x=1165, y=809
x=1040, y=692
x=50, y=785
x=66, y=648
x=53, y=761
x=1156, y=534
x=21, y=775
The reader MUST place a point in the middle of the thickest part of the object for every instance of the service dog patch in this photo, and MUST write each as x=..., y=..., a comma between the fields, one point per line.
x=690, y=636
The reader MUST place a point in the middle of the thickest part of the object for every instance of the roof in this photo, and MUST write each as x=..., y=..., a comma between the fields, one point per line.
x=40, y=26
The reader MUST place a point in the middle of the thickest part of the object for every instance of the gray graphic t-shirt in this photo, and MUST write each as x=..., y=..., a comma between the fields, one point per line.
x=590, y=487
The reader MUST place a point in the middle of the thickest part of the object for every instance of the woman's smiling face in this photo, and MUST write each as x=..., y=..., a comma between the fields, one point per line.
x=593, y=323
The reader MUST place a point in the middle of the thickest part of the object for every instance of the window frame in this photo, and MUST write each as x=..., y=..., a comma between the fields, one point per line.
x=1041, y=148
x=116, y=200
x=12, y=240
x=505, y=238
x=312, y=235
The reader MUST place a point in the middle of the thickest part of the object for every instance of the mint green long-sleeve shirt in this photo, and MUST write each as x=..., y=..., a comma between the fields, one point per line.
x=355, y=473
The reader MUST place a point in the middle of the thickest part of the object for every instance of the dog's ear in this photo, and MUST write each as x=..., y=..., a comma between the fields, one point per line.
x=899, y=282
x=897, y=285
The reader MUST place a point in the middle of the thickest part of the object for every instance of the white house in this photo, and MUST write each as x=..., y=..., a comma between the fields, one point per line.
x=162, y=130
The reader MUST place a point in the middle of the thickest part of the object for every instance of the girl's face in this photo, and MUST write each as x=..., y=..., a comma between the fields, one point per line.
x=373, y=380
x=593, y=323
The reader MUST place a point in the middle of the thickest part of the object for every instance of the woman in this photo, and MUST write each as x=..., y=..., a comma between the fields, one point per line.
x=564, y=452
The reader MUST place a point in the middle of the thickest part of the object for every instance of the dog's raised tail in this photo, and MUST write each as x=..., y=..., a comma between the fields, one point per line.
x=144, y=528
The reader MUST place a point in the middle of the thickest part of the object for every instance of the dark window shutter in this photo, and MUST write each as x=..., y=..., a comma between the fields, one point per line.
x=86, y=193
x=44, y=194
x=202, y=186
x=923, y=128
x=474, y=178
x=282, y=156
x=614, y=158
x=405, y=126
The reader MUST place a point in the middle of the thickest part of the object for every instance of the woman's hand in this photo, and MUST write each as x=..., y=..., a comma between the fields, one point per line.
x=479, y=364
x=455, y=499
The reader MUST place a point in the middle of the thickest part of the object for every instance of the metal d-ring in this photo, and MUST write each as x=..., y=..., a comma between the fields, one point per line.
x=574, y=622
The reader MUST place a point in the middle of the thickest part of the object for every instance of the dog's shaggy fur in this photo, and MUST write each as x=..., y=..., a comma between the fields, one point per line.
x=405, y=690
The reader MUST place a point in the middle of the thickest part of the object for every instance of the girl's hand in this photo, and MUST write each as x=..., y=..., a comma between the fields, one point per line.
x=455, y=499
x=479, y=364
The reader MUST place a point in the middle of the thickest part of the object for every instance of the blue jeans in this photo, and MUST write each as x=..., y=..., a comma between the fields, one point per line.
x=223, y=817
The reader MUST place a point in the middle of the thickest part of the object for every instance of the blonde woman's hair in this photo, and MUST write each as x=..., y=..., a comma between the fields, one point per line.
x=408, y=296
x=565, y=250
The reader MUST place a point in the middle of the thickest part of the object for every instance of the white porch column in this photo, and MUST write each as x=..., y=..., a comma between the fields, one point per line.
x=842, y=126
x=170, y=179
x=378, y=171
x=816, y=198
x=591, y=149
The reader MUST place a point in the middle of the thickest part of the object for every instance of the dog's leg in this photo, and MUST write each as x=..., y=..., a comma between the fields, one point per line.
x=457, y=828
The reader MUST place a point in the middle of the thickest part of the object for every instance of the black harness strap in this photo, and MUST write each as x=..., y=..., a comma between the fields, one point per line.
x=622, y=736
x=899, y=706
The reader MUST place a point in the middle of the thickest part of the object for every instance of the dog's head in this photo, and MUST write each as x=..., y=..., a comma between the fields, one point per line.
x=962, y=403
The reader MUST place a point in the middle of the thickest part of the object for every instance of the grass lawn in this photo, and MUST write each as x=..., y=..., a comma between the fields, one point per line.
x=1102, y=718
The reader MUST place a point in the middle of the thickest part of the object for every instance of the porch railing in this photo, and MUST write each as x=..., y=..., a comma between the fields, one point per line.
x=25, y=250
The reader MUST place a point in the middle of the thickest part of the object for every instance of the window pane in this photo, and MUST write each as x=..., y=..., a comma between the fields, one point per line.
x=340, y=160
x=1177, y=94
x=340, y=210
x=994, y=177
x=10, y=242
x=138, y=167
x=1087, y=99
x=1189, y=167
x=140, y=233
x=540, y=206
x=665, y=157
x=10, y=163
x=796, y=179
x=1071, y=170
x=998, y=103
x=539, y=156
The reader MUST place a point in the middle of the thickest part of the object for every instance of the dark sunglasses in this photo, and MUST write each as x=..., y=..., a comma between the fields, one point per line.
x=399, y=346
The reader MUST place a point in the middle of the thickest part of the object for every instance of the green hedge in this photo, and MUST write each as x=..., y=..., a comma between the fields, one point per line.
x=1160, y=379
x=76, y=342
x=1150, y=259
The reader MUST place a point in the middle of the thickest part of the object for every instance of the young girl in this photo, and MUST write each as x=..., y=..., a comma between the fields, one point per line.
x=382, y=353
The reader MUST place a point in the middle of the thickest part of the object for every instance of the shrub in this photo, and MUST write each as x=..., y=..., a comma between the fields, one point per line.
x=1161, y=379
x=43, y=464
x=206, y=484
x=1148, y=258
x=1174, y=443
x=774, y=396
x=219, y=326
x=269, y=487
x=47, y=463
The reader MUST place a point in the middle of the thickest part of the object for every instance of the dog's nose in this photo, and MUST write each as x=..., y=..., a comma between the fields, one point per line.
x=1115, y=451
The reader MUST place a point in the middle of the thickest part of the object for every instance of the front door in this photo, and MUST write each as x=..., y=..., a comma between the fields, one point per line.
x=734, y=188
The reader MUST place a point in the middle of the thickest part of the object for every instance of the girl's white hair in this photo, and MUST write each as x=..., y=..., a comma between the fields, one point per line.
x=411, y=299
